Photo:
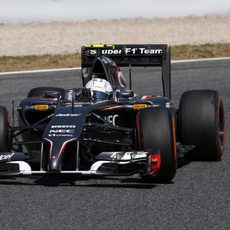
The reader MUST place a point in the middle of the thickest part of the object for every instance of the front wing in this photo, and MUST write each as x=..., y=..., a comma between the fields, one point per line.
x=107, y=164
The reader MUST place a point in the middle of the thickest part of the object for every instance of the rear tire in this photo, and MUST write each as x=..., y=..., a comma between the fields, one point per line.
x=40, y=91
x=201, y=123
x=155, y=131
x=4, y=130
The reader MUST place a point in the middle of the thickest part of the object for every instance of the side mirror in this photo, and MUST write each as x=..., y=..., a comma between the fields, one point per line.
x=124, y=93
x=51, y=94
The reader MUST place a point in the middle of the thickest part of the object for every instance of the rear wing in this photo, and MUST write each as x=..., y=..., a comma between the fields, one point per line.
x=129, y=55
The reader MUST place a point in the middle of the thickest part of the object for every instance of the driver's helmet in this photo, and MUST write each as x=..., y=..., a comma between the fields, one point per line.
x=100, y=89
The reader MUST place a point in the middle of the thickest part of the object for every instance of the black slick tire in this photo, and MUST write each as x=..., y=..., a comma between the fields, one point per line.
x=156, y=132
x=201, y=123
x=4, y=130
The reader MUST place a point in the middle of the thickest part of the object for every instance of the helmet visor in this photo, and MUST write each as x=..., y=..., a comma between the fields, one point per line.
x=97, y=95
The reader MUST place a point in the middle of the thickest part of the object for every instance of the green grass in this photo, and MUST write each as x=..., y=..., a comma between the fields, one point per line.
x=8, y=63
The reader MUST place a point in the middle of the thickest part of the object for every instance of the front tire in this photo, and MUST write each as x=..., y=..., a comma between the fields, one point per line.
x=201, y=123
x=4, y=130
x=156, y=132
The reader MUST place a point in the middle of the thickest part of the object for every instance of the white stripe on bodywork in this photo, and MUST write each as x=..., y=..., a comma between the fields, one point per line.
x=97, y=165
x=24, y=167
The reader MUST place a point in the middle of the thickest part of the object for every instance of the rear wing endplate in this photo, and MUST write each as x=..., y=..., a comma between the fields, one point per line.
x=127, y=55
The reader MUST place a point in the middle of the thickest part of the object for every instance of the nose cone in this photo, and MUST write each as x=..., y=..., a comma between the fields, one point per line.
x=54, y=164
x=57, y=150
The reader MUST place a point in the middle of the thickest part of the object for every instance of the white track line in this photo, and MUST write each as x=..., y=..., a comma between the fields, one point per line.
x=78, y=68
x=201, y=60
x=39, y=71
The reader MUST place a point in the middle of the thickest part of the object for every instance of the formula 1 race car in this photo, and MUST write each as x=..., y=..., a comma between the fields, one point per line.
x=104, y=128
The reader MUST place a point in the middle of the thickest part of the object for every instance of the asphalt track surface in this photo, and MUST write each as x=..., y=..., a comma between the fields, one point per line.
x=198, y=197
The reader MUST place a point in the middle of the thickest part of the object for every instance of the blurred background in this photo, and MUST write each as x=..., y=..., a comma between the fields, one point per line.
x=31, y=10
x=50, y=33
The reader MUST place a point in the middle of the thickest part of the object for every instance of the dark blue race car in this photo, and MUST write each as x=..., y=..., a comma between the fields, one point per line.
x=105, y=129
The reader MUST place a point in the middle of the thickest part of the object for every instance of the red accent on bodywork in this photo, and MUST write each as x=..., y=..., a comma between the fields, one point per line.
x=117, y=68
x=63, y=148
x=154, y=163
x=61, y=151
x=147, y=97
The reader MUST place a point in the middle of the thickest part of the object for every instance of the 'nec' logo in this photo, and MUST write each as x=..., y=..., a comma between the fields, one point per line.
x=112, y=119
